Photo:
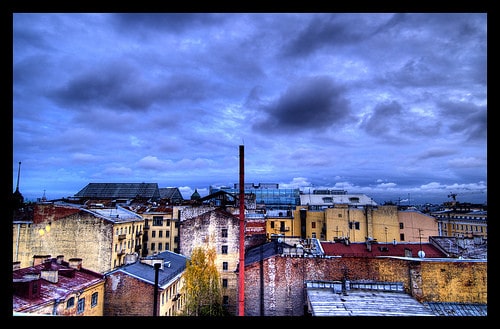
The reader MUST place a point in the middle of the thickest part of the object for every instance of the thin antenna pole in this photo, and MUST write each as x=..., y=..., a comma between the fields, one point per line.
x=18, y=175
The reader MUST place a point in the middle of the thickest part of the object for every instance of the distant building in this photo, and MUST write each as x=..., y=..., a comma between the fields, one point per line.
x=120, y=192
x=53, y=286
x=171, y=194
x=415, y=226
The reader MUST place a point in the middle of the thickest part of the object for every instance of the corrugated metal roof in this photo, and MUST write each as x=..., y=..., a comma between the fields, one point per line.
x=354, y=302
x=458, y=309
x=119, y=190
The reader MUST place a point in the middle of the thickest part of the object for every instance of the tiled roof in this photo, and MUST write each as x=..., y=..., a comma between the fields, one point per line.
x=119, y=190
x=359, y=249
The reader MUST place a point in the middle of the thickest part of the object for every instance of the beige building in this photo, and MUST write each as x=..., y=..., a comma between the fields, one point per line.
x=100, y=235
x=343, y=221
x=415, y=226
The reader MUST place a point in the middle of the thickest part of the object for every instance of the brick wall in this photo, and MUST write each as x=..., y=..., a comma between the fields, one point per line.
x=274, y=287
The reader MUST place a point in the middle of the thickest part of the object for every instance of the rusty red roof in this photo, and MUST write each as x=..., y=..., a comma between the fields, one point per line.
x=359, y=249
x=69, y=281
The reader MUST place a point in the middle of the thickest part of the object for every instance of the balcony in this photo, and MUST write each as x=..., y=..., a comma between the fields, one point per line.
x=122, y=237
x=138, y=233
x=121, y=252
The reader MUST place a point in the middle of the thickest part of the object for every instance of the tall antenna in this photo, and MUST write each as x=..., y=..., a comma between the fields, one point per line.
x=18, y=174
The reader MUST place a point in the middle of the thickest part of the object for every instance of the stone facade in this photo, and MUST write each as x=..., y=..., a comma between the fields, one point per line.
x=219, y=229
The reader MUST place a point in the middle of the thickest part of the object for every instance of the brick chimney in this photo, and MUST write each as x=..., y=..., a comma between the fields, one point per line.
x=75, y=263
x=40, y=259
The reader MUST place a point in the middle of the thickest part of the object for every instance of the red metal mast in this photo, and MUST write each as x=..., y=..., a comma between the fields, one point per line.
x=241, y=289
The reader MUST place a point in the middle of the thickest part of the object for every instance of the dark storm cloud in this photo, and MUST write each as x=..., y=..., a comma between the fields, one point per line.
x=323, y=31
x=121, y=86
x=369, y=102
x=309, y=104
x=467, y=119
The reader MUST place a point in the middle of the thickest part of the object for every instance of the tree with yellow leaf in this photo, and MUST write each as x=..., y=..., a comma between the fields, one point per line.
x=202, y=288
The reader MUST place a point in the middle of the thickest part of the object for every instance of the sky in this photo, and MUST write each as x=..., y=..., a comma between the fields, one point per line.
x=391, y=105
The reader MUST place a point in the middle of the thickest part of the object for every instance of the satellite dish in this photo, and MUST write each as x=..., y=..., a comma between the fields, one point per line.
x=421, y=254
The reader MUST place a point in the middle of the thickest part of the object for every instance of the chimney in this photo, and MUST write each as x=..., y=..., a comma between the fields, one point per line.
x=39, y=259
x=75, y=263
x=49, y=275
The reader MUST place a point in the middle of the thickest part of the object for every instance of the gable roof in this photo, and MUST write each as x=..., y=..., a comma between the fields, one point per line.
x=119, y=190
x=171, y=193
x=173, y=265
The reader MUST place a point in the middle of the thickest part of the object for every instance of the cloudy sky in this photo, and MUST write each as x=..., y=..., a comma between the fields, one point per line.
x=389, y=105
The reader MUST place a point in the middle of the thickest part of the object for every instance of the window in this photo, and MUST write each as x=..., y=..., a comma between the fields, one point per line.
x=153, y=246
x=224, y=266
x=167, y=234
x=401, y=226
x=94, y=299
x=81, y=306
x=153, y=234
x=356, y=225
x=160, y=246
x=167, y=246
x=313, y=224
x=272, y=224
x=224, y=250
x=160, y=234
x=157, y=220
x=70, y=303
x=224, y=283
x=340, y=215
x=225, y=300
x=168, y=222
x=224, y=232
x=401, y=237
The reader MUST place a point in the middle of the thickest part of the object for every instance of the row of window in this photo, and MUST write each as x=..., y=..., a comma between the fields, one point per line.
x=128, y=230
x=160, y=234
x=81, y=302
